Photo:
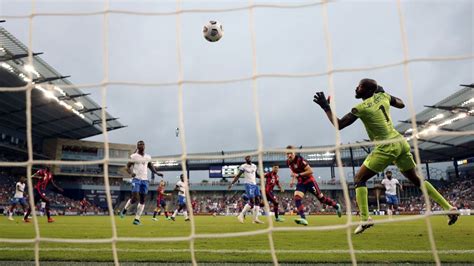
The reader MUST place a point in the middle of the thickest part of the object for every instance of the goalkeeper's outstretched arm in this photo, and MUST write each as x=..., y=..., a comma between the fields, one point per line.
x=345, y=121
x=394, y=101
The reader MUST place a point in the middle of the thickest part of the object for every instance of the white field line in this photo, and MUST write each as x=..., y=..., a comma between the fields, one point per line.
x=254, y=251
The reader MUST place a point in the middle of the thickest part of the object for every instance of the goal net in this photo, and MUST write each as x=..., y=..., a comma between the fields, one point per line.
x=322, y=18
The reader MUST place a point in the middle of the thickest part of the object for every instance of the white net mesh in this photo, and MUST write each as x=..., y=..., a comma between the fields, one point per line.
x=259, y=152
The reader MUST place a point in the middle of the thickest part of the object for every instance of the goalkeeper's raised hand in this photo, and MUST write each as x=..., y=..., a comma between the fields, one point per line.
x=320, y=99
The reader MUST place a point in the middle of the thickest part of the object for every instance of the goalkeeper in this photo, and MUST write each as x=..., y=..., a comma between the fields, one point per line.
x=374, y=111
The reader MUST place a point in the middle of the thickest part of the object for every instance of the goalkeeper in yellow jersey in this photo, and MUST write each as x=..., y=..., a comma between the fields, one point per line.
x=374, y=111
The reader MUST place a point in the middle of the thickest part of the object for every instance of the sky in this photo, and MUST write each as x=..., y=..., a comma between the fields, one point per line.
x=222, y=116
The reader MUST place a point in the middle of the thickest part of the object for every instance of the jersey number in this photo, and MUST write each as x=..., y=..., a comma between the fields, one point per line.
x=384, y=113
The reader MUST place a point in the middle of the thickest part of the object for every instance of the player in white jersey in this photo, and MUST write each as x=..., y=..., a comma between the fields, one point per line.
x=249, y=170
x=390, y=184
x=138, y=170
x=181, y=188
x=18, y=198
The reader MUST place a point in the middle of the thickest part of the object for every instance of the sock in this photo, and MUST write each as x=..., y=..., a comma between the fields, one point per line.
x=327, y=201
x=300, y=207
x=174, y=213
x=166, y=214
x=140, y=208
x=438, y=198
x=255, y=212
x=27, y=214
x=127, y=205
x=154, y=214
x=185, y=213
x=362, y=202
x=275, y=210
x=48, y=213
x=389, y=212
x=245, y=209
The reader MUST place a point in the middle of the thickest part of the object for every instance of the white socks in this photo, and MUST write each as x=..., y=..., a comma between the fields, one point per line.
x=140, y=208
x=174, y=213
x=185, y=213
x=255, y=211
x=127, y=205
x=245, y=209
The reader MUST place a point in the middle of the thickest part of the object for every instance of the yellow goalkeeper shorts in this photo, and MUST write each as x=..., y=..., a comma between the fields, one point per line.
x=397, y=153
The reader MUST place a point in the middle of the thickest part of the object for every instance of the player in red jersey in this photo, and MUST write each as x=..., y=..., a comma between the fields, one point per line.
x=44, y=178
x=272, y=180
x=301, y=170
x=161, y=201
x=84, y=204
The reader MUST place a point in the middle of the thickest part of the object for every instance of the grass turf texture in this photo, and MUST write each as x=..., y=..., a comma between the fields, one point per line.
x=291, y=246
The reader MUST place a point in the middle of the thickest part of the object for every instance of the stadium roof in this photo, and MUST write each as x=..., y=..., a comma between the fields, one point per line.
x=56, y=111
x=455, y=113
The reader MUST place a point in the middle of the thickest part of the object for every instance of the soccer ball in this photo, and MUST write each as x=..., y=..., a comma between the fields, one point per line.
x=213, y=31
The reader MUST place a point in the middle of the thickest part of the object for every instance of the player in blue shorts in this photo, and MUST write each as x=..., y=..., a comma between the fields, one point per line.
x=391, y=184
x=18, y=198
x=138, y=170
x=181, y=188
x=249, y=170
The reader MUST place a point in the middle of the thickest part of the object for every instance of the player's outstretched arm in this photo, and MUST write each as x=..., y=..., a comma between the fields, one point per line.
x=153, y=170
x=235, y=179
x=345, y=121
x=396, y=102
x=400, y=186
x=58, y=188
x=280, y=187
x=129, y=169
x=37, y=175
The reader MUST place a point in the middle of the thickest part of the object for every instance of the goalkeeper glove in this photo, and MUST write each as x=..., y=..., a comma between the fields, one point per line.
x=320, y=99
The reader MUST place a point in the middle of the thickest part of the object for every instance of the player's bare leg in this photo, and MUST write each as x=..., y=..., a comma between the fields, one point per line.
x=434, y=194
x=155, y=212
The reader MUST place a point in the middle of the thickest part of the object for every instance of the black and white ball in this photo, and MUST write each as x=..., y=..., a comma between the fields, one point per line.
x=213, y=31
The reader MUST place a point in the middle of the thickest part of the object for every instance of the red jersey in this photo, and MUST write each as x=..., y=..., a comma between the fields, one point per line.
x=160, y=193
x=297, y=166
x=271, y=179
x=84, y=203
x=44, y=177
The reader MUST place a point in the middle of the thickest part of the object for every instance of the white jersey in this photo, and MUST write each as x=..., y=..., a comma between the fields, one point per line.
x=250, y=171
x=181, y=188
x=390, y=186
x=140, y=165
x=19, y=189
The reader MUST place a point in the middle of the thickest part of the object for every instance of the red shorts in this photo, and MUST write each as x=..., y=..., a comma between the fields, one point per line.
x=309, y=185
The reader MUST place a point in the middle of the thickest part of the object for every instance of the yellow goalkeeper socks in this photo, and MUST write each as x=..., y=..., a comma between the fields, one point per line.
x=434, y=194
x=362, y=202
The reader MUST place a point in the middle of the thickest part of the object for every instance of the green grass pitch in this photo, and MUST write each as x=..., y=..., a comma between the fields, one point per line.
x=384, y=243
